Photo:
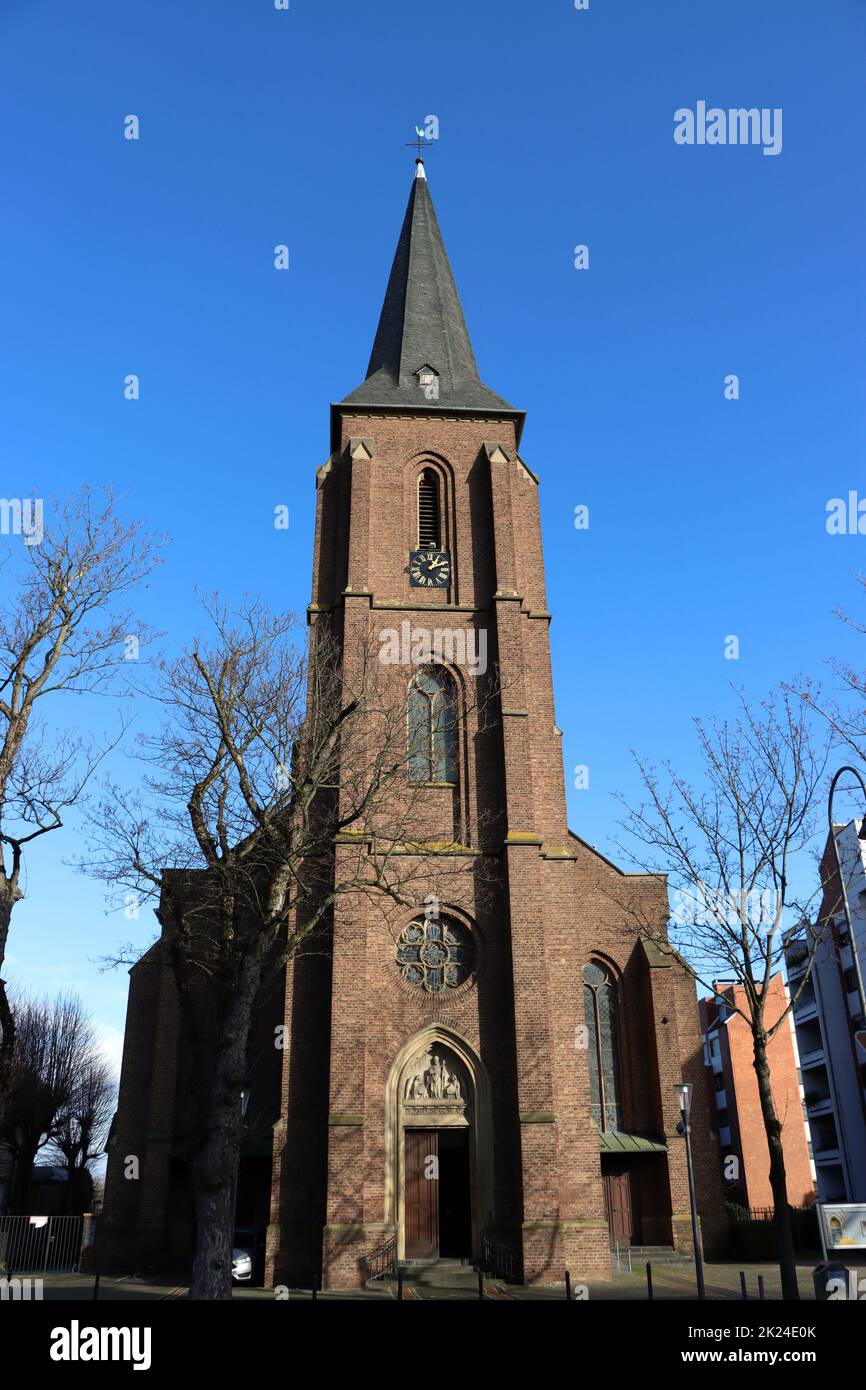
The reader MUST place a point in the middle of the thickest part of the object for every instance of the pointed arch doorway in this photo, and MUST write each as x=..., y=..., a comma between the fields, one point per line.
x=439, y=1177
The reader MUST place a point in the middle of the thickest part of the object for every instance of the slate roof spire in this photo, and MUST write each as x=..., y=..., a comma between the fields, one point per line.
x=422, y=329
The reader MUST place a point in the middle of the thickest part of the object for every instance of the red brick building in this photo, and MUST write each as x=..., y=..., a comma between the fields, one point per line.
x=735, y=1107
x=504, y=1065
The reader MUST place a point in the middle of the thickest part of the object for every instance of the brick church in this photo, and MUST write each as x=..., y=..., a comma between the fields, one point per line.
x=499, y=1070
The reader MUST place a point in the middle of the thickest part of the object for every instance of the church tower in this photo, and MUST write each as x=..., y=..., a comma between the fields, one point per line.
x=495, y=1073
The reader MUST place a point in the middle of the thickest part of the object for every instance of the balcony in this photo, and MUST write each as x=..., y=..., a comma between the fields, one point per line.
x=817, y=1104
x=796, y=959
x=825, y=1156
x=812, y=1059
x=806, y=1007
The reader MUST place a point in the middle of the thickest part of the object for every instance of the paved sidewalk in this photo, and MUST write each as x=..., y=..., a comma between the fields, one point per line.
x=670, y=1282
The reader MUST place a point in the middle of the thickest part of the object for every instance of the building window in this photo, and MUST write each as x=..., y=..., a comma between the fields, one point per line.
x=429, y=518
x=432, y=727
x=599, y=1005
x=435, y=955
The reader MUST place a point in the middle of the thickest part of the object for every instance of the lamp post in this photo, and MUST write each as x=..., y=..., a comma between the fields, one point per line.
x=684, y=1096
x=855, y=956
x=244, y=1100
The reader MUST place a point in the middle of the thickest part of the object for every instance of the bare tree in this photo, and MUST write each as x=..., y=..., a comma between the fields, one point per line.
x=53, y=1051
x=733, y=847
x=81, y=1126
x=278, y=785
x=61, y=632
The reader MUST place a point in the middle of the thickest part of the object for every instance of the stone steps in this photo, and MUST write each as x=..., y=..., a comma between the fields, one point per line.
x=435, y=1274
x=441, y=1274
x=656, y=1254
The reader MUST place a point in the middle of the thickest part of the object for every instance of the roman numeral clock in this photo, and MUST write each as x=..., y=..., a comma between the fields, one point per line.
x=429, y=569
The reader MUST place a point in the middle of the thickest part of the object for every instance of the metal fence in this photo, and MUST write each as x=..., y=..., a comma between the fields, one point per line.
x=40, y=1244
x=804, y=1222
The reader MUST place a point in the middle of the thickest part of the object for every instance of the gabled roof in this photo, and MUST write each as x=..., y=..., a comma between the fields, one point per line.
x=422, y=325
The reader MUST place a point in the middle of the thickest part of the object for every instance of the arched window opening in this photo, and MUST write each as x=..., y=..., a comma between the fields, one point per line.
x=600, y=1011
x=432, y=728
x=429, y=522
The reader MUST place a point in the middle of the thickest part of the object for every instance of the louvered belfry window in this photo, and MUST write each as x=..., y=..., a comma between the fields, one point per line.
x=429, y=528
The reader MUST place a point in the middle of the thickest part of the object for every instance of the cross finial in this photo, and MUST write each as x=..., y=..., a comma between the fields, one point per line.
x=419, y=144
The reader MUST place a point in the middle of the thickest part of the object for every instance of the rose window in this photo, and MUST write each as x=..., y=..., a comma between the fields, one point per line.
x=435, y=956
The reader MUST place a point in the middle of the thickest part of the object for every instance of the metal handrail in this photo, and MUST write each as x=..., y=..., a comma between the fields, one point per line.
x=497, y=1259
x=384, y=1260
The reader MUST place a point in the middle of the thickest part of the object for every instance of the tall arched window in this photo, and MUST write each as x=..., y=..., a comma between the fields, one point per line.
x=429, y=519
x=599, y=1007
x=432, y=727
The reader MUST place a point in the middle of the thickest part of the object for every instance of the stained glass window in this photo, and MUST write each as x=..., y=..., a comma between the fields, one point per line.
x=599, y=1006
x=435, y=955
x=432, y=727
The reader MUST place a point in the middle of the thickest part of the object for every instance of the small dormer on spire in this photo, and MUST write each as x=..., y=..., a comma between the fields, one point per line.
x=422, y=324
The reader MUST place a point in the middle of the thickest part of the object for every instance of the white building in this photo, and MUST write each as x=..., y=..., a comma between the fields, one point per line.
x=827, y=1015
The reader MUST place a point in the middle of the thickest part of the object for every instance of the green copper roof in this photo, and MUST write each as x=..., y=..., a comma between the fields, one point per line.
x=613, y=1141
x=422, y=326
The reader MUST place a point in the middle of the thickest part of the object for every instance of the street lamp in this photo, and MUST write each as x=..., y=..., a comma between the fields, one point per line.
x=684, y=1097
x=243, y=1101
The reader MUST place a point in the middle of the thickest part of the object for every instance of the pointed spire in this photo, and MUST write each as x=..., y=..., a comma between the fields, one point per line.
x=422, y=357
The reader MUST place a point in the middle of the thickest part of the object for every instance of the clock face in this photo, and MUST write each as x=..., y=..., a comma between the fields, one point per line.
x=429, y=569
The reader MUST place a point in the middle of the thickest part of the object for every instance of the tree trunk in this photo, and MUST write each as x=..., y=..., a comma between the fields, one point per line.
x=778, y=1180
x=25, y=1158
x=215, y=1165
x=8, y=897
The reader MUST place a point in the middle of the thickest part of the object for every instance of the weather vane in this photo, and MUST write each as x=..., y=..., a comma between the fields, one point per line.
x=420, y=143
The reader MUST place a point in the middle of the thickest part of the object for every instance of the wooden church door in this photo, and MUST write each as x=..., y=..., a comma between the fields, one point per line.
x=422, y=1194
x=617, y=1200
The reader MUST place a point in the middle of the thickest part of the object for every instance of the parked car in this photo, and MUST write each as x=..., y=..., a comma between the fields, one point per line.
x=249, y=1241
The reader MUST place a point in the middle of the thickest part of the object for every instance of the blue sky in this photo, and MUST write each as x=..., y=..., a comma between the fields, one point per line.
x=258, y=127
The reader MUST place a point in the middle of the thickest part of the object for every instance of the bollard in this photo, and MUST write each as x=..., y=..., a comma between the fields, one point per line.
x=760, y=1286
x=649, y=1280
x=400, y=1281
x=481, y=1283
x=96, y=1285
x=568, y=1285
x=743, y=1285
x=314, y=1284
